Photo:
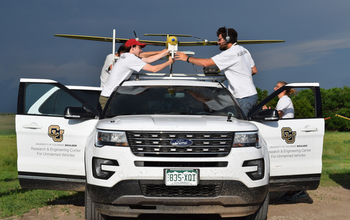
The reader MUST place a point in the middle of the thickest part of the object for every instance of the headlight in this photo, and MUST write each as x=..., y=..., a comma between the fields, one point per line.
x=246, y=139
x=112, y=138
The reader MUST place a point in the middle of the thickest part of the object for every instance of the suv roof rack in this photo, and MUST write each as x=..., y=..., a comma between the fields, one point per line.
x=178, y=76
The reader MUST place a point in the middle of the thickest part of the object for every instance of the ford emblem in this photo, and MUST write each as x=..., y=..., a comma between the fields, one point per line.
x=180, y=142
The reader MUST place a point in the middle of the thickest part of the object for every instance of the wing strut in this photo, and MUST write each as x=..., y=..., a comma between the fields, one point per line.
x=113, y=52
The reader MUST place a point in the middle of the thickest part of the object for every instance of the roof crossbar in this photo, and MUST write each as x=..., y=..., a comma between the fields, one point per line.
x=178, y=76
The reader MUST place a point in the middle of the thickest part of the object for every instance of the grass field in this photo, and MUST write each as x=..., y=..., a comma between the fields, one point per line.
x=15, y=201
x=336, y=159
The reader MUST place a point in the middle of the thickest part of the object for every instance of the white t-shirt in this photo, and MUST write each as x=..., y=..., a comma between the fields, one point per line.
x=122, y=70
x=104, y=72
x=285, y=105
x=237, y=64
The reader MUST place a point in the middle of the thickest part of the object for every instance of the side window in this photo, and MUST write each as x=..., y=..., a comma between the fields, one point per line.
x=47, y=99
x=92, y=97
x=33, y=94
x=306, y=102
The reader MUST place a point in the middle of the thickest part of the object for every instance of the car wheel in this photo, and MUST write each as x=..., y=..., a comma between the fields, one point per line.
x=261, y=213
x=90, y=212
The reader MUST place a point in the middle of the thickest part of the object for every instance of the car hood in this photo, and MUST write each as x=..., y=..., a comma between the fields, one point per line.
x=175, y=123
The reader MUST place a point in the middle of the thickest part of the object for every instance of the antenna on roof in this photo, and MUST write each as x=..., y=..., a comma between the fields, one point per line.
x=113, y=42
x=136, y=38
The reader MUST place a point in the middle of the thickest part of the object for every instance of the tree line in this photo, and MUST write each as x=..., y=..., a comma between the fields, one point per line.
x=335, y=101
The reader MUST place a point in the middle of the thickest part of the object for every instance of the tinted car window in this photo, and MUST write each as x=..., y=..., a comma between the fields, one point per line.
x=90, y=96
x=57, y=103
x=172, y=100
x=35, y=94
x=48, y=99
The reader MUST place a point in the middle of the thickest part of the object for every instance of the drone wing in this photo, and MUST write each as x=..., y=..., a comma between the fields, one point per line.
x=163, y=43
x=259, y=41
x=109, y=39
x=93, y=38
x=209, y=43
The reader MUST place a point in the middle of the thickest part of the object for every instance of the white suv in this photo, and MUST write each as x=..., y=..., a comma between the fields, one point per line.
x=164, y=146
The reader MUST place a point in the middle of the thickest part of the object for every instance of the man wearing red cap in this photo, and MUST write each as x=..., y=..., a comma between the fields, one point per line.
x=130, y=62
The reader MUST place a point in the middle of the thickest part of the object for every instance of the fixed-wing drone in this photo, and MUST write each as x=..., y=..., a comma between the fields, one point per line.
x=171, y=42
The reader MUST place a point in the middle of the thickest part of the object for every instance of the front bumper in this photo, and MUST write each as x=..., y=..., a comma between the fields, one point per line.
x=130, y=198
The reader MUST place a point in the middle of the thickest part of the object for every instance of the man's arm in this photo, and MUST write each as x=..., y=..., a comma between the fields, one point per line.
x=254, y=70
x=149, y=58
x=156, y=68
x=280, y=114
x=198, y=96
x=197, y=61
x=149, y=53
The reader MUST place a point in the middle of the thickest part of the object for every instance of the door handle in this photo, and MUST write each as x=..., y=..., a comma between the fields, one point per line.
x=32, y=125
x=309, y=129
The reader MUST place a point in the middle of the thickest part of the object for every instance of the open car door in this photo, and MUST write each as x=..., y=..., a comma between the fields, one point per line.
x=295, y=145
x=51, y=147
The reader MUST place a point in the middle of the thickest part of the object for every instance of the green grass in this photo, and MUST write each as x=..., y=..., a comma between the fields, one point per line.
x=16, y=201
x=336, y=159
x=8, y=153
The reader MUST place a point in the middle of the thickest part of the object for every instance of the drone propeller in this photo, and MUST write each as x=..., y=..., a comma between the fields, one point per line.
x=205, y=41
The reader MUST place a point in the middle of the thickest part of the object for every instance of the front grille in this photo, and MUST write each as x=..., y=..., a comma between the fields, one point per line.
x=157, y=144
x=179, y=164
x=161, y=190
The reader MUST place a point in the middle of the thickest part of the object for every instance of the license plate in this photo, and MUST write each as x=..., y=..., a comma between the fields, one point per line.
x=181, y=177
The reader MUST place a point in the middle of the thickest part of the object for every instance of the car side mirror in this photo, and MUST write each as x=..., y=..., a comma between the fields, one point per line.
x=266, y=115
x=78, y=113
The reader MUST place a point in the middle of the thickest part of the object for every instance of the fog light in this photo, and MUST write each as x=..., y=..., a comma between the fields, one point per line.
x=97, y=168
x=255, y=175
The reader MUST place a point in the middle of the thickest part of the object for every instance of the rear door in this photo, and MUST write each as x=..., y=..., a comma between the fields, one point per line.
x=51, y=148
x=295, y=145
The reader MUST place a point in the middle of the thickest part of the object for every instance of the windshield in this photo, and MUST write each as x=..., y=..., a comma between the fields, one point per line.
x=172, y=100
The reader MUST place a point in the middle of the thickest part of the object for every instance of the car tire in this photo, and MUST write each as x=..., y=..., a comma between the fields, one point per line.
x=90, y=212
x=261, y=213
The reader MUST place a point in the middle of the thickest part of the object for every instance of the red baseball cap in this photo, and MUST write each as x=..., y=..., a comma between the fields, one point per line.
x=133, y=42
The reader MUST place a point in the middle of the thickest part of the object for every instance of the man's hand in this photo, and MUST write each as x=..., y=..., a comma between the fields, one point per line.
x=172, y=60
x=181, y=56
x=165, y=52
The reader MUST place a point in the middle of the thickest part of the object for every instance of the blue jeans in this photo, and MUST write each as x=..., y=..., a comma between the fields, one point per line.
x=247, y=103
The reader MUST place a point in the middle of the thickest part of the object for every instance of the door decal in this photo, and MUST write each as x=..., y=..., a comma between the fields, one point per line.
x=56, y=133
x=288, y=135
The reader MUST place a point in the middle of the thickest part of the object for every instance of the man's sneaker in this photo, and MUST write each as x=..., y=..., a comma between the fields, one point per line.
x=292, y=196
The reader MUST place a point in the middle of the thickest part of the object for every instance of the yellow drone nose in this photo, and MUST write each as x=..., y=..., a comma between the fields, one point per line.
x=171, y=40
